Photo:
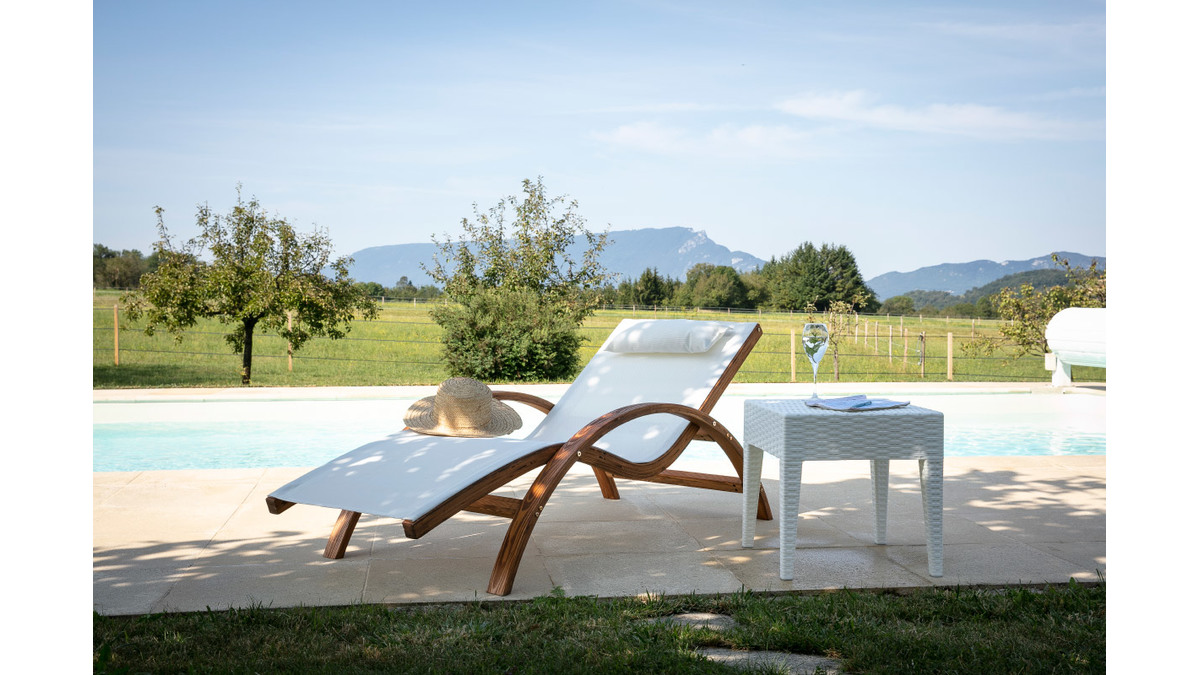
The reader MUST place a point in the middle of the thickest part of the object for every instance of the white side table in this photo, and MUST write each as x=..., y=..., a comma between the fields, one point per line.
x=796, y=433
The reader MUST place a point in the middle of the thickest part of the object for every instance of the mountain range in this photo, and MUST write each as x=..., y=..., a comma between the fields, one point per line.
x=958, y=278
x=675, y=250
x=671, y=250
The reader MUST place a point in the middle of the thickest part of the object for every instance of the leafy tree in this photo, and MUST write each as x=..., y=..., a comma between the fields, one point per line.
x=757, y=292
x=372, y=289
x=119, y=269
x=985, y=308
x=519, y=295
x=1028, y=310
x=709, y=285
x=900, y=305
x=817, y=276
x=261, y=272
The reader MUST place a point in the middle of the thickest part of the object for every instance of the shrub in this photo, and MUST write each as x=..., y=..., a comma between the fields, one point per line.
x=501, y=334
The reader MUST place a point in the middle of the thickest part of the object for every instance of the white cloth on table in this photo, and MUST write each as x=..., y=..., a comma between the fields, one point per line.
x=855, y=403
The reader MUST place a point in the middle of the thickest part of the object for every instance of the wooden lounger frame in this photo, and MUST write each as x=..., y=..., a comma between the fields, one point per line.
x=556, y=459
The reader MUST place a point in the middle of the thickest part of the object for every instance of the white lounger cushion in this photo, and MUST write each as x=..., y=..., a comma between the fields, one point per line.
x=408, y=474
x=665, y=336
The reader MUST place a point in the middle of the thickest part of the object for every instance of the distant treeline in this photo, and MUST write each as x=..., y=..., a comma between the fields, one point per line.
x=120, y=269
x=808, y=275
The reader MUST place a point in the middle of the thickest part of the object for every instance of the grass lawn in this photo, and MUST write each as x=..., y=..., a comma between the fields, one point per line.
x=1057, y=629
x=403, y=347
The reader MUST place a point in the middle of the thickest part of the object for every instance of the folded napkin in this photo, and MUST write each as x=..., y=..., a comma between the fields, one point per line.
x=856, y=403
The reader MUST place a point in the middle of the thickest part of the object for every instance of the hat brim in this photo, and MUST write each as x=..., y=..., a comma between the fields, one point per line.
x=421, y=418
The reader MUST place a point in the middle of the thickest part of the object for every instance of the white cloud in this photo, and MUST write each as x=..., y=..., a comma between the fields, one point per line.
x=964, y=119
x=727, y=141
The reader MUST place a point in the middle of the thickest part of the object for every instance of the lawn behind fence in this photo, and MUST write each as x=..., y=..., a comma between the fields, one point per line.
x=403, y=347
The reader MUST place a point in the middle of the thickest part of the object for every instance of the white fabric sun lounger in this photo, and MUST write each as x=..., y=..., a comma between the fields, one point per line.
x=645, y=395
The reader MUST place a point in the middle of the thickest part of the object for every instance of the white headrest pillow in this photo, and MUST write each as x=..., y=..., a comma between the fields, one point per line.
x=667, y=336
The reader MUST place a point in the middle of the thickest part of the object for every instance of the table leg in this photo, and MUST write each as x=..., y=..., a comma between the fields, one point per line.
x=789, y=504
x=879, y=483
x=931, y=500
x=752, y=459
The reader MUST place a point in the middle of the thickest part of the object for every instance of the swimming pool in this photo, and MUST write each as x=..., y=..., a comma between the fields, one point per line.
x=301, y=433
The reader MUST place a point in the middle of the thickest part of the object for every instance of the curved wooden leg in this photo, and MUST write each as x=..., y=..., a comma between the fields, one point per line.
x=735, y=453
x=339, y=539
x=517, y=537
x=608, y=486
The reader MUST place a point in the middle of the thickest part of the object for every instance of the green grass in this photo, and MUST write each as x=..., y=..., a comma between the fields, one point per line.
x=403, y=347
x=1056, y=629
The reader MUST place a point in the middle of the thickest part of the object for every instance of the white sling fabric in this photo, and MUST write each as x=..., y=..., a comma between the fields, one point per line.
x=408, y=474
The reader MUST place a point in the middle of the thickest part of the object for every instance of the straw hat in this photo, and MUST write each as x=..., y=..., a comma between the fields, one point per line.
x=462, y=407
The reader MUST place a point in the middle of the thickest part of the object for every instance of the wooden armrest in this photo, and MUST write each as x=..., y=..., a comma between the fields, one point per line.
x=528, y=399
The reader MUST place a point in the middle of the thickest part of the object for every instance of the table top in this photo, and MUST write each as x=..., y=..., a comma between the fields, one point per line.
x=797, y=406
x=780, y=426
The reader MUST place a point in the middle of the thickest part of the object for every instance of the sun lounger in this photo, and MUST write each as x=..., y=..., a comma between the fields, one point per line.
x=646, y=394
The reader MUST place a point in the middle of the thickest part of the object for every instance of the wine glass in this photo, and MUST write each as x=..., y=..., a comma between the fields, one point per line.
x=815, y=338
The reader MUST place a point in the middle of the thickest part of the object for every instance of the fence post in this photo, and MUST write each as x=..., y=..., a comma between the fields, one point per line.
x=921, y=355
x=877, y=337
x=904, y=332
x=889, y=343
x=793, y=355
x=289, y=344
x=116, y=338
x=950, y=357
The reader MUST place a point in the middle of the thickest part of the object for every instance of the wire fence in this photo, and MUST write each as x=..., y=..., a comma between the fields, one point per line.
x=403, y=346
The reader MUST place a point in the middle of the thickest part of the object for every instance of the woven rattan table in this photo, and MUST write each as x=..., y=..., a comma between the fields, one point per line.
x=795, y=433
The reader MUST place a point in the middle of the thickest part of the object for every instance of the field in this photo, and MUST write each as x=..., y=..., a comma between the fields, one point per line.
x=402, y=347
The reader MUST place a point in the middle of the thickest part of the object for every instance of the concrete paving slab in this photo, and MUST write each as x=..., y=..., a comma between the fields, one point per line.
x=396, y=581
x=823, y=569
x=323, y=582
x=635, y=574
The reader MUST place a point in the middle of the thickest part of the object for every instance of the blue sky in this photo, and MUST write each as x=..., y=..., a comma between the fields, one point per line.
x=914, y=133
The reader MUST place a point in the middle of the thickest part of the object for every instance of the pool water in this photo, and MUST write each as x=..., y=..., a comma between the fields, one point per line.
x=310, y=433
x=150, y=446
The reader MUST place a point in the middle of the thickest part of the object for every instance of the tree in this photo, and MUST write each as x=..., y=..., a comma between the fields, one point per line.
x=900, y=305
x=119, y=269
x=518, y=294
x=709, y=285
x=652, y=289
x=261, y=273
x=1028, y=310
x=820, y=277
x=758, y=293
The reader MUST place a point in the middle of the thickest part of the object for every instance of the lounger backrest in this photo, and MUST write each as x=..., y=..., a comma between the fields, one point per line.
x=656, y=361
